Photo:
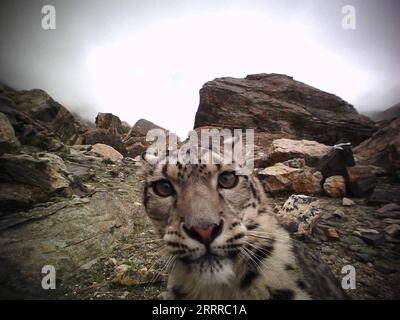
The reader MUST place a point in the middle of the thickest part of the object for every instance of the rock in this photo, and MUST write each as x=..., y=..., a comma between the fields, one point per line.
x=387, y=115
x=336, y=162
x=300, y=214
x=383, y=148
x=338, y=213
x=68, y=234
x=112, y=124
x=8, y=140
x=393, y=230
x=27, y=179
x=347, y=202
x=260, y=159
x=295, y=163
x=279, y=105
x=362, y=180
x=385, y=193
x=285, y=149
x=391, y=210
x=126, y=276
x=332, y=234
x=371, y=236
x=281, y=178
x=135, y=139
x=335, y=186
x=34, y=112
x=102, y=136
x=106, y=152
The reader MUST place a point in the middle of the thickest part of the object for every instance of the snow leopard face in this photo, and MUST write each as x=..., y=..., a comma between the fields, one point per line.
x=203, y=213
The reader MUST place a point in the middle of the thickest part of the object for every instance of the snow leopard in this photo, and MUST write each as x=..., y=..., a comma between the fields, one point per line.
x=222, y=239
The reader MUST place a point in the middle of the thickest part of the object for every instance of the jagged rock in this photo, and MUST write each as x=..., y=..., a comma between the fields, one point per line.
x=39, y=121
x=385, y=193
x=106, y=152
x=112, y=124
x=282, y=178
x=27, y=179
x=135, y=139
x=35, y=108
x=8, y=140
x=279, y=105
x=285, y=149
x=383, y=148
x=393, y=230
x=347, y=202
x=335, y=186
x=300, y=214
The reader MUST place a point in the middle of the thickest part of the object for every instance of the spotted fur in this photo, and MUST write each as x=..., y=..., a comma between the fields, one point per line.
x=252, y=257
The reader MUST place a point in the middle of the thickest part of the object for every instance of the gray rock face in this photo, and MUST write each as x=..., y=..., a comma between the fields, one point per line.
x=34, y=112
x=8, y=140
x=27, y=179
x=278, y=104
x=70, y=233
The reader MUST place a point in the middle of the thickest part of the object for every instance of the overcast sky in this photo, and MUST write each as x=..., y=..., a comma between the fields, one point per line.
x=148, y=59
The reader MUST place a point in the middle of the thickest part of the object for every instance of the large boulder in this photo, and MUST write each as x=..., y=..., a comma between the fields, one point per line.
x=278, y=104
x=106, y=152
x=281, y=178
x=112, y=124
x=27, y=179
x=383, y=148
x=39, y=121
x=285, y=149
x=103, y=136
x=135, y=139
x=8, y=140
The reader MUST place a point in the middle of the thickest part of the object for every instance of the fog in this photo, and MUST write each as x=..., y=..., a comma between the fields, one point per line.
x=148, y=59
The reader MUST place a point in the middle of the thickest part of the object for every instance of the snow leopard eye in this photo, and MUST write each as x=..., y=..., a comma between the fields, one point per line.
x=228, y=180
x=163, y=188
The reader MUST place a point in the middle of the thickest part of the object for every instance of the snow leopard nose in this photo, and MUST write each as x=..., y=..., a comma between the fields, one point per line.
x=205, y=234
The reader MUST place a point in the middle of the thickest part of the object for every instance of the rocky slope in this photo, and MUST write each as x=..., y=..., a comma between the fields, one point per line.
x=277, y=104
x=71, y=193
x=387, y=115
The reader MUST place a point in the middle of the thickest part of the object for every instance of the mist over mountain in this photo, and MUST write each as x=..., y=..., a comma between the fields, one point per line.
x=147, y=60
